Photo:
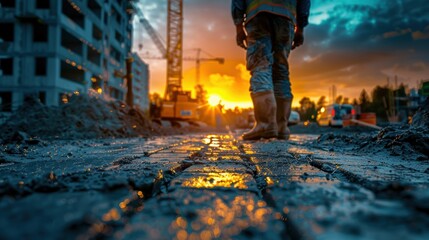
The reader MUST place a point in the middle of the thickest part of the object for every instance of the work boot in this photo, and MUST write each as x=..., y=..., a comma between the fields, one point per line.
x=264, y=104
x=284, y=106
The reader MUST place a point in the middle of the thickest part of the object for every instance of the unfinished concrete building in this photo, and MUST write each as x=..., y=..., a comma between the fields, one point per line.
x=54, y=48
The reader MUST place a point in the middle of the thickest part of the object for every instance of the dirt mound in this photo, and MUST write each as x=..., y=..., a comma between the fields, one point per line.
x=421, y=118
x=408, y=141
x=83, y=117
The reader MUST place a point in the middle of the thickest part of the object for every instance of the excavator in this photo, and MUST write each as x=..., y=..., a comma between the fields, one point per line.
x=178, y=105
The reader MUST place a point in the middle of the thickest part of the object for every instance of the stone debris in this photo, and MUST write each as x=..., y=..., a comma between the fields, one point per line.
x=408, y=141
x=83, y=117
x=421, y=118
x=209, y=187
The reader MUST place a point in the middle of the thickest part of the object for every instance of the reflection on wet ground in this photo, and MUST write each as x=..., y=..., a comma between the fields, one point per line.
x=209, y=187
x=205, y=214
x=306, y=173
x=302, y=138
x=218, y=180
x=341, y=196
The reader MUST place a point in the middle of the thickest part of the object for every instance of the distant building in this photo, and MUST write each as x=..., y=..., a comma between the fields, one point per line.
x=52, y=48
x=140, y=83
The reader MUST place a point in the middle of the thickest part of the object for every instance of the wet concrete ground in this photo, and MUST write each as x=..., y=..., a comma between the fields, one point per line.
x=209, y=187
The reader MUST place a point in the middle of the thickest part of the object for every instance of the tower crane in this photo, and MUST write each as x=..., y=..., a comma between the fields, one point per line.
x=198, y=61
x=198, y=86
x=159, y=43
x=178, y=104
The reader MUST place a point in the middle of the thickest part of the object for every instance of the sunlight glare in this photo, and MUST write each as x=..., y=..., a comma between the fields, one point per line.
x=214, y=100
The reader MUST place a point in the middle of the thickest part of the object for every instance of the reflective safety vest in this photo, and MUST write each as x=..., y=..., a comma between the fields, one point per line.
x=286, y=8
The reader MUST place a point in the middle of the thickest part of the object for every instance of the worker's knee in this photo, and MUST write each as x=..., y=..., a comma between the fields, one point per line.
x=282, y=88
x=261, y=81
x=259, y=55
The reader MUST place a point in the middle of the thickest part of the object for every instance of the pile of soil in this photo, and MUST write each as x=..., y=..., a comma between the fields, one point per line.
x=83, y=117
x=421, y=118
x=408, y=141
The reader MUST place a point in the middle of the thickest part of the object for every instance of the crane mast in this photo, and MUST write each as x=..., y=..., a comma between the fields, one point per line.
x=174, y=48
x=177, y=104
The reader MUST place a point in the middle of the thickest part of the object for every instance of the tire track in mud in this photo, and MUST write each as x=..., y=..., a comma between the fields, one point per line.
x=213, y=153
x=106, y=223
x=149, y=153
x=51, y=182
x=115, y=219
x=385, y=192
x=403, y=192
x=350, y=190
x=114, y=179
x=379, y=188
x=290, y=230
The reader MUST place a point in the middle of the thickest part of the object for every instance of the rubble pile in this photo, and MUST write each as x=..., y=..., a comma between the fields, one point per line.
x=408, y=141
x=421, y=118
x=83, y=117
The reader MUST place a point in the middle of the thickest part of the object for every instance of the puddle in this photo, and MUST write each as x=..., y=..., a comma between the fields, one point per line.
x=219, y=180
x=205, y=214
x=299, y=150
x=302, y=138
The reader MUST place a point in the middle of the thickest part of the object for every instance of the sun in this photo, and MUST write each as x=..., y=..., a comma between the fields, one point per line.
x=214, y=100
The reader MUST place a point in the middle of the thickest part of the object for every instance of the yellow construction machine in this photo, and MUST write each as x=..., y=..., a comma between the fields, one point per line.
x=178, y=104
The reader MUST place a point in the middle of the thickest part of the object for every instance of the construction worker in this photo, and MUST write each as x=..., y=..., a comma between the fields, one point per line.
x=273, y=28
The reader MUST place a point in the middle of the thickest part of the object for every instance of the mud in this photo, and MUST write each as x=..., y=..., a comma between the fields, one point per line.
x=421, y=118
x=337, y=194
x=208, y=187
x=410, y=142
x=83, y=117
x=345, y=184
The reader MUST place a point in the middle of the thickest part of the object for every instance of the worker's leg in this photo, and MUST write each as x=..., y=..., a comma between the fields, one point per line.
x=283, y=34
x=259, y=63
x=259, y=53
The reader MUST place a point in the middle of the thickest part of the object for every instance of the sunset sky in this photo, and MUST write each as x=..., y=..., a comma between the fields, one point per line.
x=353, y=44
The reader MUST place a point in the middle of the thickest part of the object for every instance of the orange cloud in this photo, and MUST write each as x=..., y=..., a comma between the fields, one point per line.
x=220, y=80
x=244, y=74
x=419, y=35
x=396, y=33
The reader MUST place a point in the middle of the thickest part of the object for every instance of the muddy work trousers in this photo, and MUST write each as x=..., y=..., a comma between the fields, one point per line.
x=269, y=39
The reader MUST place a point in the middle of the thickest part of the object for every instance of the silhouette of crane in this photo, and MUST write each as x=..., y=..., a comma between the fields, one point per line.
x=173, y=53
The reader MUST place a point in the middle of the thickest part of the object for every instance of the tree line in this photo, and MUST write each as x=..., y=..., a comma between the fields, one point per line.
x=384, y=102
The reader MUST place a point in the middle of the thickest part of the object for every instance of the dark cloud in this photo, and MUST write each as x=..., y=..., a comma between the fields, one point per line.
x=353, y=44
x=361, y=45
x=338, y=60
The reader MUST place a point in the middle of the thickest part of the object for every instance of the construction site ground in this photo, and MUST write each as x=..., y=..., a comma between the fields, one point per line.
x=213, y=186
